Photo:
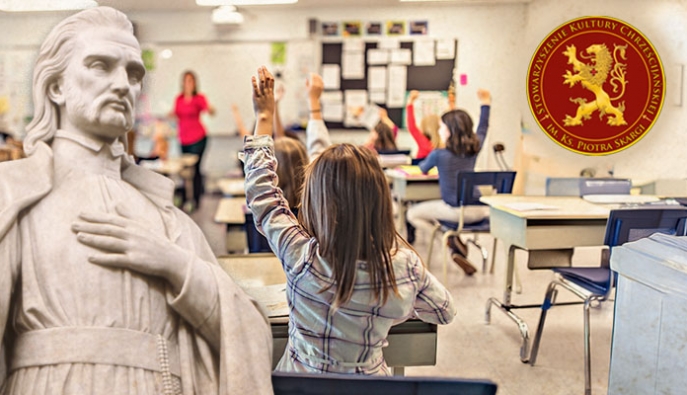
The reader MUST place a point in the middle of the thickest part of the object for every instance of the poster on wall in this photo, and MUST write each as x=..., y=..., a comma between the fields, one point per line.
x=446, y=48
x=352, y=29
x=418, y=28
x=330, y=29
x=373, y=28
x=395, y=28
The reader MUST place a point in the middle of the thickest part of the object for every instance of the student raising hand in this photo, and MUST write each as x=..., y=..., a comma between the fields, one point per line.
x=314, y=86
x=263, y=101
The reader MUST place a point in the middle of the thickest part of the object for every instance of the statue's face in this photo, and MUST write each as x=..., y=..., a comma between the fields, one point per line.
x=101, y=83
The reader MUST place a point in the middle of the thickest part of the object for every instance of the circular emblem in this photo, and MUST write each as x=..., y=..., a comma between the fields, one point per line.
x=595, y=85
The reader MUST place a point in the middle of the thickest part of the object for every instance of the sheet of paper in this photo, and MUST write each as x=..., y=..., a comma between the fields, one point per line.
x=389, y=43
x=401, y=56
x=378, y=97
x=331, y=76
x=446, y=48
x=396, y=94
x=332, y=106
x=377, y=56
x=376, y=78
x=529, y=206
x=272, y=298
x=355, y=101
x=370, y=117
x=355, y=45
x=423, y=52
x=353, y=65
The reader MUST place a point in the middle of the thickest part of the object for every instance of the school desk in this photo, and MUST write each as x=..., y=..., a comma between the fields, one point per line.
x=410, y=185
x=412, y=343
x=542, y=225
x=232, y=186
x=181, y=166
x=230, y=211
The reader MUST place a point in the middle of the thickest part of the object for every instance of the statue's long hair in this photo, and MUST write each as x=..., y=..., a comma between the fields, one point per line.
x=53, y=57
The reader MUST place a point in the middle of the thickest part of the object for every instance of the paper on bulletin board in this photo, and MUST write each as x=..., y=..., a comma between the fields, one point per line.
x=353, y=45
x=401, y=56
x=446, y=48
x=396, y=93
x=377, y=56
x=331, y=76
x=389, y=43
x=353, y=65
x=332, y=106
x=355, y=101
x=423, y=53
x=376, y=78
x=378, y=97
x=428, y=103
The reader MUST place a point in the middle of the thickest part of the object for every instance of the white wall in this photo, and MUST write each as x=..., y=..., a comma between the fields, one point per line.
x=490, y=39
x=661, y=153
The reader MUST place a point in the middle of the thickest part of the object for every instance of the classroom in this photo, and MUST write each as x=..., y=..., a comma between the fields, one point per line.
x=559, y=123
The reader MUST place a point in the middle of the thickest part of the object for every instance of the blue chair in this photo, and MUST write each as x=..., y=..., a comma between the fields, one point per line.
x=595, y=283
x=468, y=195
x=340, y=384
x=256, y=241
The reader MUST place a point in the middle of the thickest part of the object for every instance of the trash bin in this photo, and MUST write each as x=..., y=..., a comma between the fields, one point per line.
x=649, y=346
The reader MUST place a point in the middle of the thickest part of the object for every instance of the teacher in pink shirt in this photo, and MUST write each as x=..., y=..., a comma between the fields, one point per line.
x=192, y=134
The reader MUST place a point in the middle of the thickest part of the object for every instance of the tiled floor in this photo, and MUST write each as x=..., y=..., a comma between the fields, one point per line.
x=470, y=349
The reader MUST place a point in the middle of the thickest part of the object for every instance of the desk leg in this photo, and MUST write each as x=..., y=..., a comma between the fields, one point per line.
x=506, y=306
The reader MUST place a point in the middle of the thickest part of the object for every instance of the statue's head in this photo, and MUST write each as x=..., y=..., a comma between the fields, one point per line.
x=87, y=77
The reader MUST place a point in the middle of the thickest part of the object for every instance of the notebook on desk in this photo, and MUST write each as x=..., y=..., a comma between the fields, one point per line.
x=271, y=297
x=414, y=171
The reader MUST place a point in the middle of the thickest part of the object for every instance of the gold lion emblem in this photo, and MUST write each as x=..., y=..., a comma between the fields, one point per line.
x=592, y=76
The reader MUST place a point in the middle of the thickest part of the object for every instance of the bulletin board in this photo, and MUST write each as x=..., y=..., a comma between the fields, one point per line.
x=423, y=78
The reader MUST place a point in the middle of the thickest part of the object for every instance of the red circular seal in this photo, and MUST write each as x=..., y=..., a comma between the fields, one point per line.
x=595, y=85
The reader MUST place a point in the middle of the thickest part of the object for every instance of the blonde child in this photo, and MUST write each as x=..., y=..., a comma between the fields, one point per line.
x=427, y=136
x=350, y=277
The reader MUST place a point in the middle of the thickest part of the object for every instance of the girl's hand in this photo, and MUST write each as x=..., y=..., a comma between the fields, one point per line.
x=314, y=86
x=412, y=96
x=263, y=101
x=484, y=96
x=125, y=243
x=279, y=93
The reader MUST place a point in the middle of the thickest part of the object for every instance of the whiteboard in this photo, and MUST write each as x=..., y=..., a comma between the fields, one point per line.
x=224, y=71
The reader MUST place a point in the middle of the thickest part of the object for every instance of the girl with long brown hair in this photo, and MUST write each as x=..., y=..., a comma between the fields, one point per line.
x=462, y=145
x=350, y=276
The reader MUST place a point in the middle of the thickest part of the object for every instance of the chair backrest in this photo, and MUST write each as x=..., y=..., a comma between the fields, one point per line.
x=625, y=225
x=256, y=241
x=331, y=384
x=605, y=186
x=470, y=181
x=394, y=152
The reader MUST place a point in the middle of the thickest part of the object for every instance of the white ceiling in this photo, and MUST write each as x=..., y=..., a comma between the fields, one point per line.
x=190, y=5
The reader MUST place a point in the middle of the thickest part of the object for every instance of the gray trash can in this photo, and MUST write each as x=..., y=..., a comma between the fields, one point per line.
x=649, y=346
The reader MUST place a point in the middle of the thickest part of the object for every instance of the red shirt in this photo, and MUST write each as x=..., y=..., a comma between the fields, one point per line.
x=424, y=145
x=191, y=130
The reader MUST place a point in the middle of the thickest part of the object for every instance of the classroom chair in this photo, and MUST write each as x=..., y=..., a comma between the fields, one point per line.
x=469, y=184
x=341, y=384
x=595, y=283
x=256, y=241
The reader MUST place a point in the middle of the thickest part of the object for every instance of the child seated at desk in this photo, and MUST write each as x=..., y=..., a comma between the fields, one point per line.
x=427, y=138
x=461, y=148
x=350, y=276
